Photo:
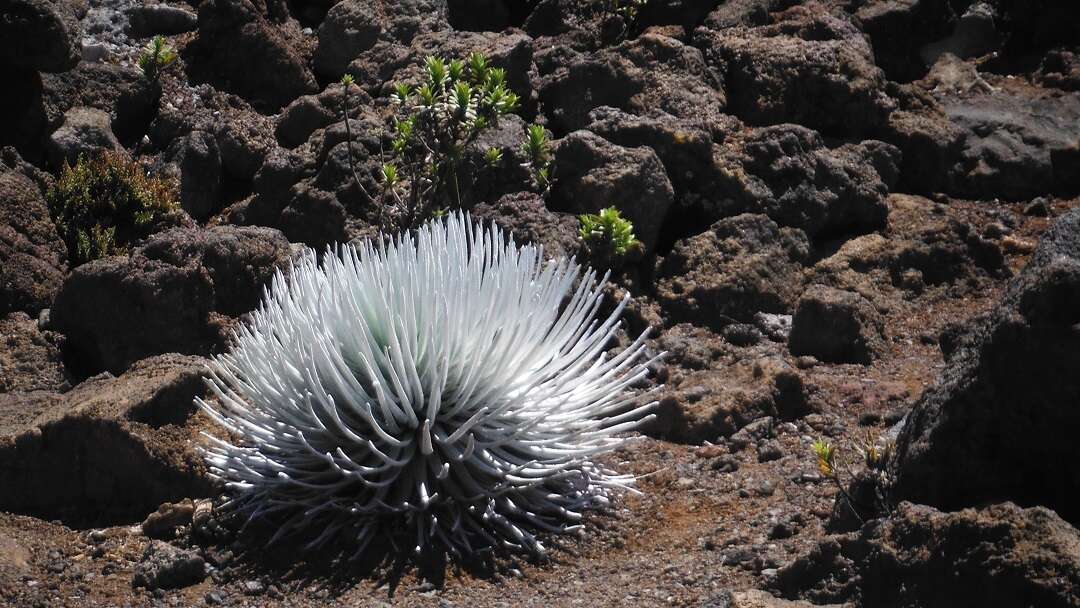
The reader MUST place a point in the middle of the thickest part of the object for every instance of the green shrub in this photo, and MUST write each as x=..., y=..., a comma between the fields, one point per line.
x=103, y=204
x=537, y=150
x=435, y=124
x=608, y=235
x=156, y=56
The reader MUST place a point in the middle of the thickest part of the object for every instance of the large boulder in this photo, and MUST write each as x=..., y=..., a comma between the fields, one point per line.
x=1015, y=147
x=84, y=132
x=312, y=112
x=196, y=162
x=33, y=258
x=898, y=29
x=234, y=38
x=180, y=291
x=998, y=556
x=109, y=450
x=41, y=35
x=122, y=91
x=593, y=173
x=738, y=267
x=1000, y=422
x=354, y=26
x=651, y=74
x=809, y=67
x=836, y=326
x=923, y=249
x=788, y=173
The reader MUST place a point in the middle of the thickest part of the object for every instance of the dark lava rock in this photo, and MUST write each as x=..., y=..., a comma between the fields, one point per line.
x=836, y=326
x=122, y=91
x=162, y=524
x=1060, y=68
x=354, y=26
x=1000, y=423
x=33, y=258
x=149, y=19
x=788, y=173
x=312, y=112
x=234, y=38
x=42, y=35
x=738, y=267
x=648, y=75
x=177, y=292
x=592, y=173
x=808, y=67
x=103, y=452
x=198, y=163
x=29, y=358
x=705, y=404
x=899, y=28
x=923, y=249
x=164, y=566
x=1016, y=148
x=530, y=221
x=84, y=132
x=998, y=556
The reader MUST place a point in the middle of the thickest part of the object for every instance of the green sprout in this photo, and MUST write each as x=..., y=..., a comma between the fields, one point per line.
x=826, y=457
x=493, y=156
x=610, y=230
x=156, y=56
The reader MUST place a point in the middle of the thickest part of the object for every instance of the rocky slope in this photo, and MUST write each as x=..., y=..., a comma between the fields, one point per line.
x=859, y=219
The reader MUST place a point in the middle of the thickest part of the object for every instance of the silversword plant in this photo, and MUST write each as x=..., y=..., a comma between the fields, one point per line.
x=447, y=385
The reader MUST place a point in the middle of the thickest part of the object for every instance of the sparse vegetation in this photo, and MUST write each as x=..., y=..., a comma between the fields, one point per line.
x=875, y=457
x=435, y=124
x=101, y=205
x=608, y=236
x=155, y=57
x=537, y=150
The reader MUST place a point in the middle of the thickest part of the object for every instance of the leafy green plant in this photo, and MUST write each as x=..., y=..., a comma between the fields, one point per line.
x=537, y=150
x=435, y=123
x=101, y=205
x=875, y=457
x=608, y=235
x=156, y=56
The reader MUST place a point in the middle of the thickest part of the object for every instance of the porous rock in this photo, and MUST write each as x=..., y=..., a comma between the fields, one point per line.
x=178, y=292
x=1009, y=387
x=106, y=450
x=836, y=326
x=738, y=267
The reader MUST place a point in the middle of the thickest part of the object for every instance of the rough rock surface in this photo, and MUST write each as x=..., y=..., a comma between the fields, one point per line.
x=787, y=173
x=29, y=358
x=234, y=37
x=739, y=266
x=593, y=173
x=1017, y=148
x=529, y=221
x=84, y=132
x=836, y=326
x=33, y=258
x=354, y=26
x=40, y=35
x=811, y=68
x=164, y=566
x=647, y=75
x=110, y=448
x=1001, y=555
x=178, y=292
x=1003, y=391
